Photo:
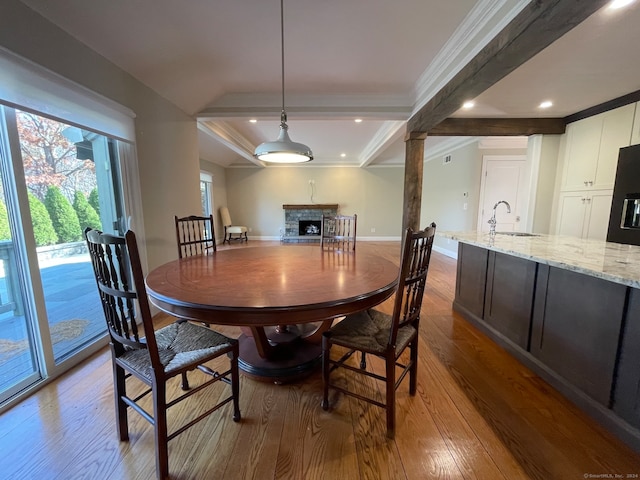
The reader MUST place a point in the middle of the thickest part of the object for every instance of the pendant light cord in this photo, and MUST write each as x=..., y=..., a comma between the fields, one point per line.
x=283, y=115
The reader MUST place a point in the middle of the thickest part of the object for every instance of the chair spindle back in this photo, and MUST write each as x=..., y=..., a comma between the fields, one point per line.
x=416, y=254
x=195, y=235
x=338, y=232
x=118, y=272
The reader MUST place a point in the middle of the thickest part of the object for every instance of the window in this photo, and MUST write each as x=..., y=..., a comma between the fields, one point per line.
x=206, y=193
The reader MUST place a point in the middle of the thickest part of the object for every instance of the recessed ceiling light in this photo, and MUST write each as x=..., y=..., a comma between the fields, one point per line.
x=343, y=155
x=615, y=4
x=253, y=120
x=358, y=120
x=546, y=104
x=468, y=105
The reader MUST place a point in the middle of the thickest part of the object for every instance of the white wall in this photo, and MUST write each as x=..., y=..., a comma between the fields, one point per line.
x=442, y=194
x=549, y=146
x=443, y=191
x=166, y=137
x=256, y=195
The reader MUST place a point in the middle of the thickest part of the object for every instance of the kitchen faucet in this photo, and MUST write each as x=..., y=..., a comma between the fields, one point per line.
x=492, y=221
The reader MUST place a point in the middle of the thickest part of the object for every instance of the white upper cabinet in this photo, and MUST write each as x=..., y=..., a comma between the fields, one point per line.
x=592, y=149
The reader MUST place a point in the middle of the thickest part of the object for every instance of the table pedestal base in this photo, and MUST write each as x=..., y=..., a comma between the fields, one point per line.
x=289, y=361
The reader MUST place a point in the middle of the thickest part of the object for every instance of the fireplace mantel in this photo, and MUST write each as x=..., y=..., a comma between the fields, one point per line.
x=313, y=206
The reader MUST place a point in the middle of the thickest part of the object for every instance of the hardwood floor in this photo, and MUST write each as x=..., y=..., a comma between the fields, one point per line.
x=478, y=413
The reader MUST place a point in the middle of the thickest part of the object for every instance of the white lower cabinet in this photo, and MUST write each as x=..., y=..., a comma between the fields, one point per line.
x=584, y=214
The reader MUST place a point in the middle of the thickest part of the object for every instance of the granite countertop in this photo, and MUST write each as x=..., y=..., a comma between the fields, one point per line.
x=610, y=261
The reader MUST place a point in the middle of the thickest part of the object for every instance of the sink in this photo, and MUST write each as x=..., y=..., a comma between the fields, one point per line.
x=518, y=234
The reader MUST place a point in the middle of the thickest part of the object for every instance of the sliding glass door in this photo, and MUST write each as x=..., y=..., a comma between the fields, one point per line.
x=57, y=180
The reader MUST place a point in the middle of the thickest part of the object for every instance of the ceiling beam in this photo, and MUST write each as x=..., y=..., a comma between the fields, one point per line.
x=485, y=127
x=231, y=138
x=537, y=26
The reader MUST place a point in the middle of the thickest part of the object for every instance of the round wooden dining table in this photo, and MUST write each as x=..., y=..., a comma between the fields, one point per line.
x=283, y=297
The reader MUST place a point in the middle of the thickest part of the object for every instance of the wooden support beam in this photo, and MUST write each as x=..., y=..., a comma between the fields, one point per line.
x=461, y=127
x=537, y=26
x=414, y=164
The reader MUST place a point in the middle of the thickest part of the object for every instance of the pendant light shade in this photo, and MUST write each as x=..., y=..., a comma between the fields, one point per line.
x=283, y=150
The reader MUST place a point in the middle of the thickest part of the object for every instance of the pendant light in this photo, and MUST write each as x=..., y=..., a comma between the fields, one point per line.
x=283, y=150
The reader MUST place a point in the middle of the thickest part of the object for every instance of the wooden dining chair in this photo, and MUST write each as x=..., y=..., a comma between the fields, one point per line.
x=195, y=235
x=230, y=229
x=338, y=232
x=385, y=336
x=152, y=356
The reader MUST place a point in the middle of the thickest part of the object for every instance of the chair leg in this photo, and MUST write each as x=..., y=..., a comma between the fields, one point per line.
x=413, y=372
x=391, y=395
x=185, y=381
x=326, y=350
x=119, y=390
x=160, y=430
x=235, y=383
x=363, y=361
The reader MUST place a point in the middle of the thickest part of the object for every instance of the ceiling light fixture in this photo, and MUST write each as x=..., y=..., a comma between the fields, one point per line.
x=253, y=120
x=468, y=105
x=546, y=104
x=615, y=4
x=358, y=120
x=283, y=150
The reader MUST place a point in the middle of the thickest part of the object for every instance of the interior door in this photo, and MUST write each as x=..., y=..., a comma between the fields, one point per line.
x=502, y=179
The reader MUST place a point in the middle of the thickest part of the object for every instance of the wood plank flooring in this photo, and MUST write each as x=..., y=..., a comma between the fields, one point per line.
x=478, y=414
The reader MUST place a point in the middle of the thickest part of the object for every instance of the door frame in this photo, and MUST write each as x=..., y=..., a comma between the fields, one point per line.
x=524, y=205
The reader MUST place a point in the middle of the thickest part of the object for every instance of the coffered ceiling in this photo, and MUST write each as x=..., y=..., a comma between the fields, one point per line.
x=377, y=61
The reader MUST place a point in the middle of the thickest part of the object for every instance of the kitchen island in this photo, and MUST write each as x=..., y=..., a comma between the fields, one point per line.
x=568, y=308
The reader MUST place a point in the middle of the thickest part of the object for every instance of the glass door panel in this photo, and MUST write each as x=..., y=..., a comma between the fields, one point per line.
x=18, y=363
x=69, y=177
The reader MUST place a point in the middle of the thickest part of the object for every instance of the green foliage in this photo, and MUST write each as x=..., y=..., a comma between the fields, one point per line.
x=43, y=230
x=87, y=216
x=5, y=232
x=93, y=200
x=63, y=216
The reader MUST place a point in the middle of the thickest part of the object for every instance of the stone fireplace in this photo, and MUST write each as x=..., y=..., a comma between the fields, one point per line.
x=302, y=222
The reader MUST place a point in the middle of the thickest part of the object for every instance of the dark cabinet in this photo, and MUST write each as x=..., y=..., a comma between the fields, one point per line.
x=626, y=395
x=471, y=278
x=509, y=296
x=576, y=328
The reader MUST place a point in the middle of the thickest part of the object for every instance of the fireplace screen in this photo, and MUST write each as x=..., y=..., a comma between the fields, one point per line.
x=309, y=227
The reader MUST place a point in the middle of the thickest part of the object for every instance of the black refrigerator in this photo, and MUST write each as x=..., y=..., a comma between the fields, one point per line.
x=624, y=220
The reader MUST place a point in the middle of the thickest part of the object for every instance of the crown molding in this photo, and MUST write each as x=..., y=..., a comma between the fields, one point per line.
x=231, y=138
x=447, y=146
x=484, y=21
x=387, y=134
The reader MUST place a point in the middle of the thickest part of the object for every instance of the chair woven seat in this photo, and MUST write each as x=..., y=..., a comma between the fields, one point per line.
x=179, y=345
x=369, y=330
